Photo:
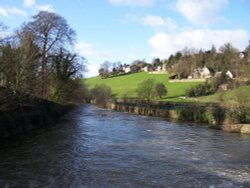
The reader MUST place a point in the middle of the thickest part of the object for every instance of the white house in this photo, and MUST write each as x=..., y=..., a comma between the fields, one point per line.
x=206, y=73
x=241, y=55
x=126, y=68
x=159, y=69
x=145, y=69
x=229, y=74
x=164, y=67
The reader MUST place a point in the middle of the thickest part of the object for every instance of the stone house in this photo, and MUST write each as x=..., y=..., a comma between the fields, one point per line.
x=202, y=73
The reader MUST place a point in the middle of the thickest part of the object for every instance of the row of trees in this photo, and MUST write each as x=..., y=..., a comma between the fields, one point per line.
x=110, y=69
x=226, y=58
x=38, y=60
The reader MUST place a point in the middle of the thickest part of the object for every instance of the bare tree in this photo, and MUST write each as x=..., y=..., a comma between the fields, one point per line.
x=104, y=69
x=51, y=32
x=2, y=29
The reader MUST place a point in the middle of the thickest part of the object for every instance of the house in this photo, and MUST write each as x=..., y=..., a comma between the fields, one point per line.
x=159, y=68
x=218, y=74
x=242, y=55
x=126, y=68
x=207, y=73
x=164, y=68
x=147, y=68
x=196, y=74
x=202, y=73
x=230, y=74
x=134, y=68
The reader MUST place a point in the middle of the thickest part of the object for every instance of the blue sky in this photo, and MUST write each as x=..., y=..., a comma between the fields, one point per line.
x=125, y=30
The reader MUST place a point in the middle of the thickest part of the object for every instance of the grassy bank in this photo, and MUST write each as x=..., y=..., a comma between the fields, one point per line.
x=126, y=85
x=241, y=93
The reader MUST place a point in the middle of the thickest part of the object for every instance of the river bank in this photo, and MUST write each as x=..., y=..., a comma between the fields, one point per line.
x=210, y=114
x=26, y=118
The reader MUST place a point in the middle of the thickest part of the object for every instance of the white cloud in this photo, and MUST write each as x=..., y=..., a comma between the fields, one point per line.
x=88, y=50
x=153, y=20
x=150, y=20
x=156, y=21
x=39, y=7
x=48, y=8
x=200, y=12
x=166, y=44
x=29, y=3
x=7, y=11
x=130, y=18
x=132, y=2
x=94, y=57
x=2, y=34
x=3, y=12
x=92, y=70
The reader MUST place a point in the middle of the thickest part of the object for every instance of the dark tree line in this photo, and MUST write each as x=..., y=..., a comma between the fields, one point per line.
x=37, y=60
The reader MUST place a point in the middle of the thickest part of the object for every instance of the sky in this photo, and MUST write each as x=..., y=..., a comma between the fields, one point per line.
x=126, y=30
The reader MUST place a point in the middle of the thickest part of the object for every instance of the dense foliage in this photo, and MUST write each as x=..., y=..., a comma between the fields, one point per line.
x=149, y=89
x=160, y=90
x=101, y=94
x=146, y=90
x=213, y=85
x=38, y=60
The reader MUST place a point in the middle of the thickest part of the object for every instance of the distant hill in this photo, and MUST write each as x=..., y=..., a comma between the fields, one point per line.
x=126, y=85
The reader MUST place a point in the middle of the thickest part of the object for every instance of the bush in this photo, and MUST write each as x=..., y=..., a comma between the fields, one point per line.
x=161, y=90
x=146, y=90
x=101, y=94
x=201, y=90
x=211, y=86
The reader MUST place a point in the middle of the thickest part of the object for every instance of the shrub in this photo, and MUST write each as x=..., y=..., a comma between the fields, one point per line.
x=146, y=90
x=101, y=94
x=201, y=90
x=161, y=90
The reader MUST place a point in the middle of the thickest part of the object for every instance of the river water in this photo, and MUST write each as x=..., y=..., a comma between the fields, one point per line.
x=92, y=147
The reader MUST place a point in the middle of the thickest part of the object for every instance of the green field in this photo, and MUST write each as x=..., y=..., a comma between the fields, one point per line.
x=126, y=85
x=241, y=93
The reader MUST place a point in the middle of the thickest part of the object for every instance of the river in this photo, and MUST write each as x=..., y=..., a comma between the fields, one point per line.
x=92, y=147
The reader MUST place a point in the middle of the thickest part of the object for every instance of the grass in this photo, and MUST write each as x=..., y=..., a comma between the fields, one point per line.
x=243, y=91
x=126, y=85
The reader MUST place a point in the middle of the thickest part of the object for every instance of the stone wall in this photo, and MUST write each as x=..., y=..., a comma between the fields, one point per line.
x=210, y=114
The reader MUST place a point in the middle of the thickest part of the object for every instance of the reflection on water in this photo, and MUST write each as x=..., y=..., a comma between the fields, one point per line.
x=92, y=147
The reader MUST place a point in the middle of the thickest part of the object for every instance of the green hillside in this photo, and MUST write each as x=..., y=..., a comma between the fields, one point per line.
x=127, y=84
